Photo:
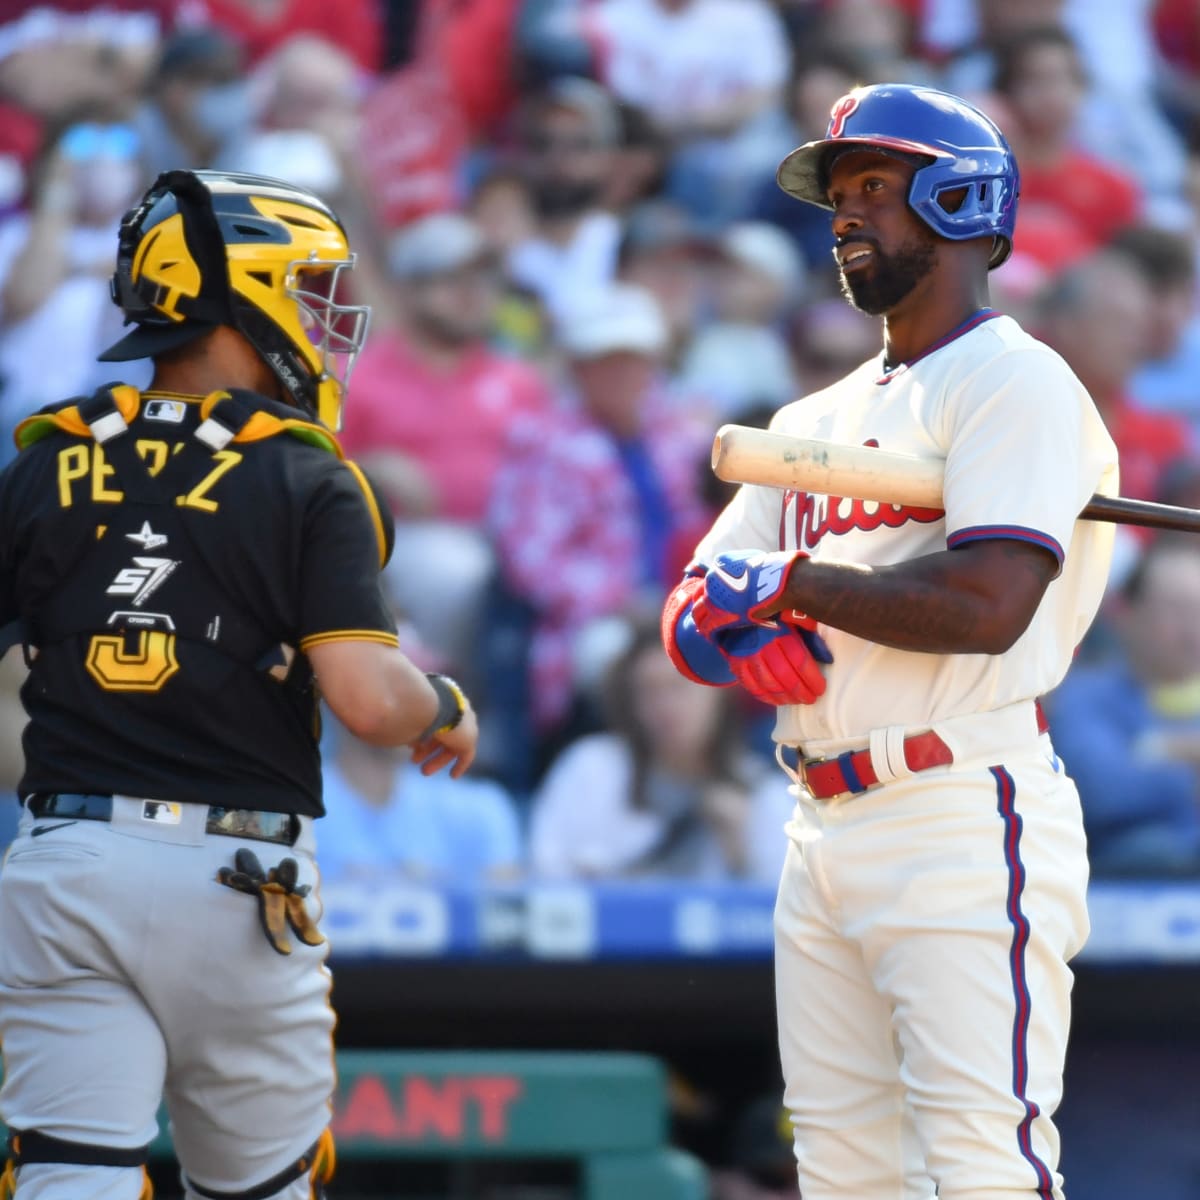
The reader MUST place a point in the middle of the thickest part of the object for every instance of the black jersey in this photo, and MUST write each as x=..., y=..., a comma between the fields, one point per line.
x=166, y=592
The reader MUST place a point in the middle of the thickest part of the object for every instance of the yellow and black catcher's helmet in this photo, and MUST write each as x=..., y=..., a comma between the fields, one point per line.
x=208, y=248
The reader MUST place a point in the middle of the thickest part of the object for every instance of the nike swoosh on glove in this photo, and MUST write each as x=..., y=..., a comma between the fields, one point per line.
x=741, y=589
x=777, y=664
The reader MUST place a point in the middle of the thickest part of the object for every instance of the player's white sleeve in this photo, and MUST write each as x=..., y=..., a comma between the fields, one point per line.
x=1026, y=450
x=750, y=521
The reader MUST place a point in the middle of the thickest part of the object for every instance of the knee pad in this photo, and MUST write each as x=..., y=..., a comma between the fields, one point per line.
x=317, y=1162
x=29, y=1146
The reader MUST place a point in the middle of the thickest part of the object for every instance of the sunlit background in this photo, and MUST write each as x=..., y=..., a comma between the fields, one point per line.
x=580, y=265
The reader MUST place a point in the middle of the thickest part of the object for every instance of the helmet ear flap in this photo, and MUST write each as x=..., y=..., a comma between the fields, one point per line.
x=135, y=292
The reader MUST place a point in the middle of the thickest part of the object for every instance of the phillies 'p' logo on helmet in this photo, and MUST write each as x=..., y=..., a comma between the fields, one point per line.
x=955, y=148
x=838, y=114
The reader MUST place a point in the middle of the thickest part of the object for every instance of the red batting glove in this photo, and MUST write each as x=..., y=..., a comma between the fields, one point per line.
x=777, y=663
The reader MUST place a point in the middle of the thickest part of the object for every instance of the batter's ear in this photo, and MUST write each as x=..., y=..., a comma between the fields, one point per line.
x=381, y=514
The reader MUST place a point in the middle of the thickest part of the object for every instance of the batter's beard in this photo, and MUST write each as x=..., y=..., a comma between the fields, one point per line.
x=889, y=278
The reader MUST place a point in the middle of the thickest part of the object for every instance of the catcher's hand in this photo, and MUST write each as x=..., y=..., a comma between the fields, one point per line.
x=280, y=900
x=453, y=748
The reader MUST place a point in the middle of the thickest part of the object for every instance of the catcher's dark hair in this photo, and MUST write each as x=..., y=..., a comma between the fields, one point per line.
x=722, y=758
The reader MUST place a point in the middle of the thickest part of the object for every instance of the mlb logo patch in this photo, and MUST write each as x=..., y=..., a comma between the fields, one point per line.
x=164, y=812
x=164, y=410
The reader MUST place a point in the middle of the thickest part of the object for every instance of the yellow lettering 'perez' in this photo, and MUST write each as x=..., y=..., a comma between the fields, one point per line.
x=87, y=462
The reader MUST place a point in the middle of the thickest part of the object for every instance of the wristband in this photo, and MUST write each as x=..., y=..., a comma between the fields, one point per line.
x=452, y=705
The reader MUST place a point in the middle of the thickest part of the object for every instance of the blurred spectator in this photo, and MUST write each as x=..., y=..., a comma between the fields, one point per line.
x=1170, y=378
x=1129, y=729
x=710, y=74
x=830, y=339
x=12, y=724
x=454, y=87
x=597, y=505
x=762, y=1161
x=386, y=822
x=300, y=156
x=1122, y=121
x=74, y=56
x=198, y=103
x=311, y=83
x=501, y=204
x=741, y=358
x=877, y=34
x=665, y=252
x=1040, y=77
x=667, y=792
x=820, y=78
x=640, y=164
x=1177, y=38
x=56, y=313
x=354, y=26
x=20, y=138
x=1097, y=316
x=430, y=404
x=963, y=34
x=1118, y=118
x=569, y=135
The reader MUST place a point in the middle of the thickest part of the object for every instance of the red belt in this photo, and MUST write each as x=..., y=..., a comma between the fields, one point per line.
x=854, y=772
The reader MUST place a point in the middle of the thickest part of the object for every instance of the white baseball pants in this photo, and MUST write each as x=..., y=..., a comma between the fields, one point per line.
x=923, y=930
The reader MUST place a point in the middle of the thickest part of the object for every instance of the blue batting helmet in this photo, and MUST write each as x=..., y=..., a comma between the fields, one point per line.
x=953, y=144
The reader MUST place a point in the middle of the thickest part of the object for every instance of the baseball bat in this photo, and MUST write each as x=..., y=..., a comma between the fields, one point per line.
x=743, y=454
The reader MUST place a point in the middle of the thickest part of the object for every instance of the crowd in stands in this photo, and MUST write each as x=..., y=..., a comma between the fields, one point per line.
x=579, y=265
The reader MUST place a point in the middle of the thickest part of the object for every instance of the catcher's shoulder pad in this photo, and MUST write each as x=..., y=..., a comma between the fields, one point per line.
x=67, y=416
x=259, y=417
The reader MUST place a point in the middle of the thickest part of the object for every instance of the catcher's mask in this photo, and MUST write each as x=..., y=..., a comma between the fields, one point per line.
x=208, y=248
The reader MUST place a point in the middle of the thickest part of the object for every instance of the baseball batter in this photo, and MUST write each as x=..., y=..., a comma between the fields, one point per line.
x=934, y=889
x=179, y=564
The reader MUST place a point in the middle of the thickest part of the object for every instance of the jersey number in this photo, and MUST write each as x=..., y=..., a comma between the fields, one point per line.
x=143, y=667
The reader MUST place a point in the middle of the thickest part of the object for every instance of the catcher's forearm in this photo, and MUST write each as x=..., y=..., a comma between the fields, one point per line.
x=975, y=600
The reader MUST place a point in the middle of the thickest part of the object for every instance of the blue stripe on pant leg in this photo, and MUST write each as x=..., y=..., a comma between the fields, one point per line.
x=1006, y=805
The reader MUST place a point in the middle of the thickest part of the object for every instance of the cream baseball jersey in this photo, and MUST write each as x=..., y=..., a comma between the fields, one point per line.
x=1024, y=448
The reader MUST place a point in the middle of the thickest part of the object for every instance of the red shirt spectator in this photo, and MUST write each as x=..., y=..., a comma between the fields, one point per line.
x=356, y=26
x=453, y=421
x=1040, y=79
x=1097, y=200
x=1097, y=315
x=1147, y=443
x=430, y=402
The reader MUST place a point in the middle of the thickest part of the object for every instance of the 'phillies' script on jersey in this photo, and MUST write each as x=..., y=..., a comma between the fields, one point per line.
x=808, y=517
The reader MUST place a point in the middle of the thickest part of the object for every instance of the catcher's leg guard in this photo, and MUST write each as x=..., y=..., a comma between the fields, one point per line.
x=29, y=1147
x=317, y=1163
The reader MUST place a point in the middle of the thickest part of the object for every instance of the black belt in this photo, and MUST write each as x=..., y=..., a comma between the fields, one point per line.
x=283, y=828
